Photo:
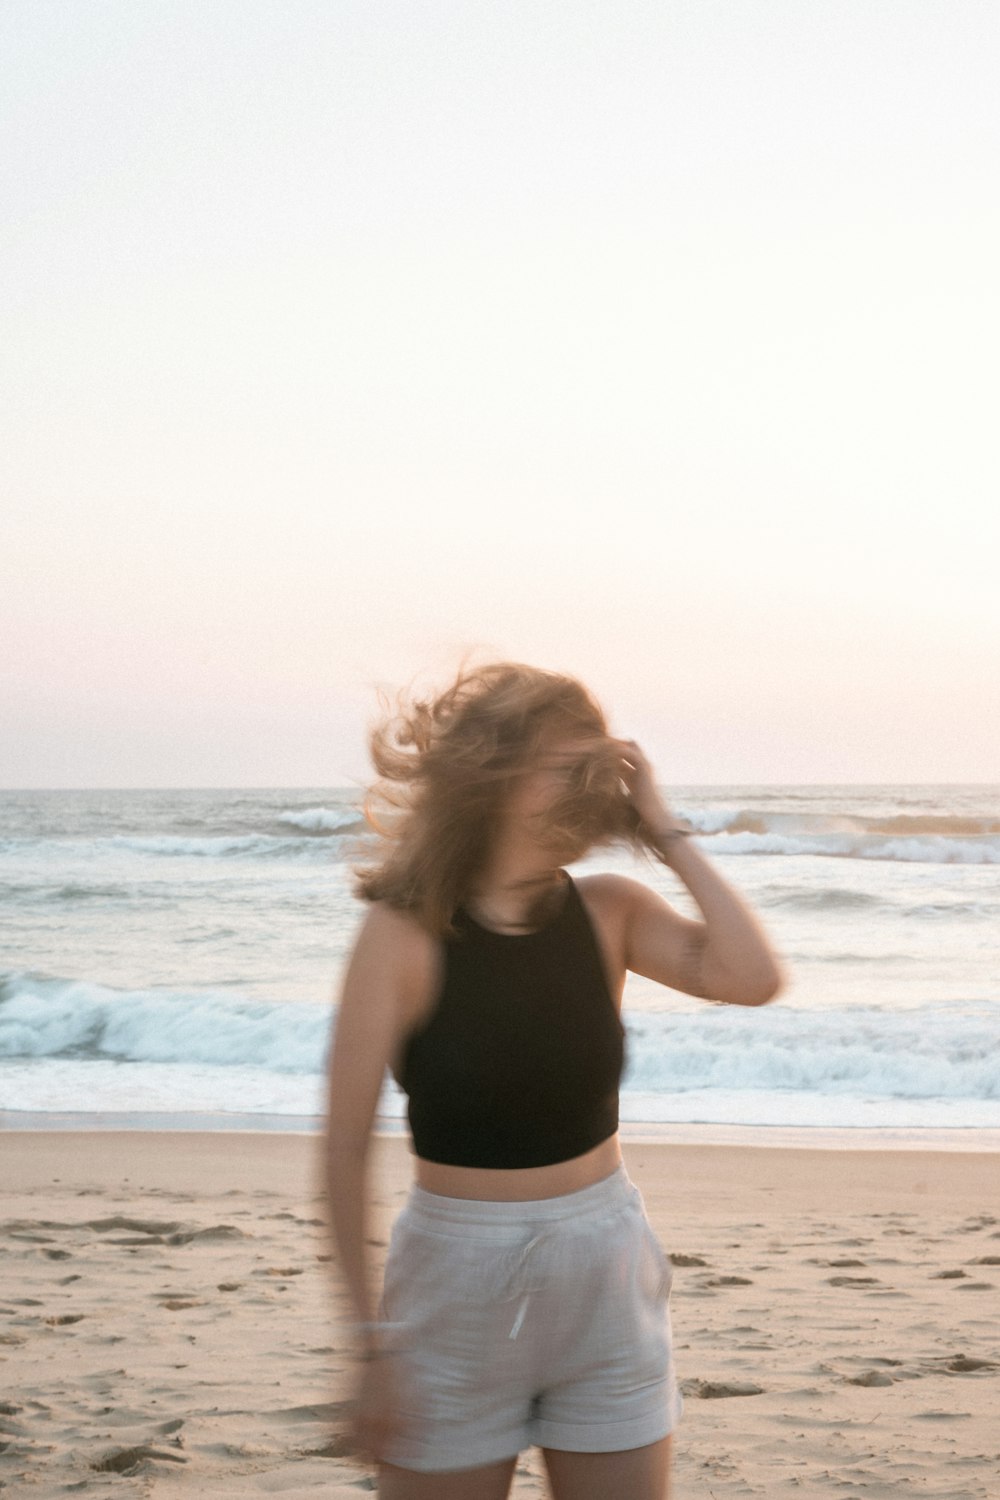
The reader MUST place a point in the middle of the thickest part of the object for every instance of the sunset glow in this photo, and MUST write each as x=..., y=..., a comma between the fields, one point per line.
x=655, y=345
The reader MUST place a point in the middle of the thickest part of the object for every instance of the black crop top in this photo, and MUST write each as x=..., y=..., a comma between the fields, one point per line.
x=520, y=1061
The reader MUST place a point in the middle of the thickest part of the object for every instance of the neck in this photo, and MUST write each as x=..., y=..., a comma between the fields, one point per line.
x=514, y=884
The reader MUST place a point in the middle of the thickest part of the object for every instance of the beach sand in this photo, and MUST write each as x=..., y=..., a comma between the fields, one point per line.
x=170, y=1319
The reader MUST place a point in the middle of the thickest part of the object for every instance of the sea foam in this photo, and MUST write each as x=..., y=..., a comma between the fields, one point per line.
x=953, y=1052
x=323, y=820
x=47, y=1017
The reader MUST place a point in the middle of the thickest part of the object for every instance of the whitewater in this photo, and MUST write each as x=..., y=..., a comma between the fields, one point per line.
x=169, y=956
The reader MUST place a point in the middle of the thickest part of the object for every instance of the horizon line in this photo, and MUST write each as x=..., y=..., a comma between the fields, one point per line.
x=349, y=787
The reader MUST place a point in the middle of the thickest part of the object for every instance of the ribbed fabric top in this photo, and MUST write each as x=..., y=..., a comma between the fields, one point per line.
x=520, y=1061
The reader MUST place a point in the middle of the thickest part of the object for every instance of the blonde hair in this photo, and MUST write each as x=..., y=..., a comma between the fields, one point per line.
x=446, y=764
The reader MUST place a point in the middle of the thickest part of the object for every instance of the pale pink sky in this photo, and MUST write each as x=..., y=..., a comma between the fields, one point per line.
x=656, y=344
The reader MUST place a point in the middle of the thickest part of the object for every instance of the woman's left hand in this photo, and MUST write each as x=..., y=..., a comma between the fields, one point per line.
x=637, y=775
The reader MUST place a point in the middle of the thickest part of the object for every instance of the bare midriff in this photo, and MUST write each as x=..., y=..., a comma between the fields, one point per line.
x=521, y=1184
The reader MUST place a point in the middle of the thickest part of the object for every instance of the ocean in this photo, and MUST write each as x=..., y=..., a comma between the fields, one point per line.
x=173, y=958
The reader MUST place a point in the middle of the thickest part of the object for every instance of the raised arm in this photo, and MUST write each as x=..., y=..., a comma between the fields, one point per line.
x=726, y=956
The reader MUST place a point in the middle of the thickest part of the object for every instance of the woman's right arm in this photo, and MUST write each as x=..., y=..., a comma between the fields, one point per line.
x=385, y=978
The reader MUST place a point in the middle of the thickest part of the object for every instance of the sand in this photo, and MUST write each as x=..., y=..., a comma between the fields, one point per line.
x=169, y=1318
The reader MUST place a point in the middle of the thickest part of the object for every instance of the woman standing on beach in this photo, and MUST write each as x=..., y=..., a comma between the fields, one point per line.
x=526, y=1295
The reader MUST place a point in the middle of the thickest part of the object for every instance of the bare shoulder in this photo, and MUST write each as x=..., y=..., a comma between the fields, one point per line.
x=388, y=984
x=619, y=896
x=613, y=903
x=393, y=931
x=394, y=944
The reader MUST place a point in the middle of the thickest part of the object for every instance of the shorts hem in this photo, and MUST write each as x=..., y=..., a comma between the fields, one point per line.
x=609, y=1437
x=453, y=1462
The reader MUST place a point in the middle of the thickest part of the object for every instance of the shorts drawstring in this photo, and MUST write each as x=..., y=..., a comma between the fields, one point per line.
x=517, y=1286
x=502, y=1274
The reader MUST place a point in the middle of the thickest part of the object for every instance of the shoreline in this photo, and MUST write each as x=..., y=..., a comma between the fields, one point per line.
x=680, y=1177
x=862, y=1138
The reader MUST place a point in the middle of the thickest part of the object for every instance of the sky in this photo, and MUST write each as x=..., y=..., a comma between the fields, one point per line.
x=653, y=343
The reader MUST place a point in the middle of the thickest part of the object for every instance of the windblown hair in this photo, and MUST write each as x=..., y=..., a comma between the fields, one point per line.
x=447, y=763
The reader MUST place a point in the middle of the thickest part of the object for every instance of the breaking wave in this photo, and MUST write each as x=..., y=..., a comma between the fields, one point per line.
x=951, y=1053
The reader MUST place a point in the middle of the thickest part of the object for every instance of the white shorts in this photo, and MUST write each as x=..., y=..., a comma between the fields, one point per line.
x=517, y=1324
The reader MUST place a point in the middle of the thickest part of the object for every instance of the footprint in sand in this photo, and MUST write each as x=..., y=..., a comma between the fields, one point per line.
x=957, y=1364
x=714, y=1390
x=172, y=1425
x=322, y=1411
x=977, y=1222
x=133, y=1460
x=340, y=1446
x=213, y=1232
x=134, y=1226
